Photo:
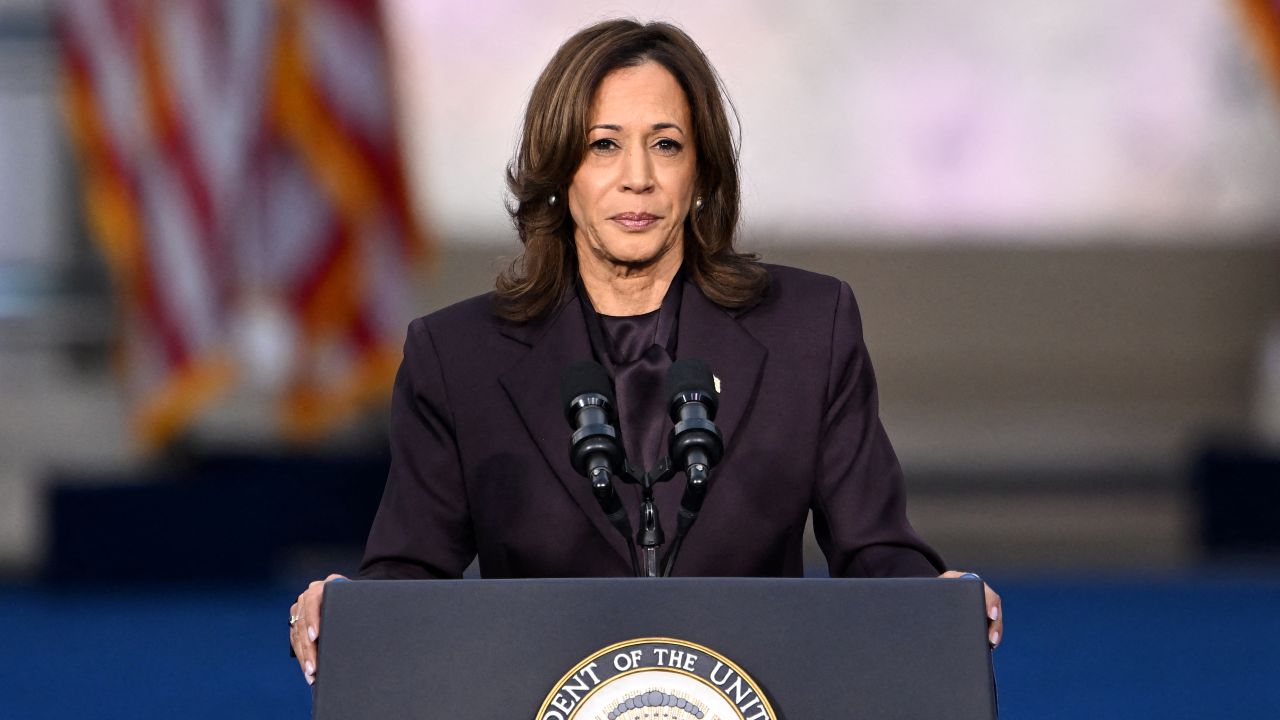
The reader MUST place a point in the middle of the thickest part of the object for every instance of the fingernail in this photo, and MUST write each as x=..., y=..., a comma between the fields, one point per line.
x=311, y=668
x=311, y=633
x=311, y=680
x=995, y=638
x=994, y=614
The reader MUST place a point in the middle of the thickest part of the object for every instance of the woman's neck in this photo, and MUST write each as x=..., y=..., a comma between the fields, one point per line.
x=623, y=291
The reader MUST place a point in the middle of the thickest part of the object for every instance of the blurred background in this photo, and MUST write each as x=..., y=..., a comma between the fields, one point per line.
x=1061, y=220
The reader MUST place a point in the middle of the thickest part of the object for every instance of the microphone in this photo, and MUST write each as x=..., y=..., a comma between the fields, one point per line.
x=586, y=392
x=696, y=444
x=594, y=450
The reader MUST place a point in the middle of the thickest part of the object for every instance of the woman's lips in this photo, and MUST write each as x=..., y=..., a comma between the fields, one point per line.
x=635, y=221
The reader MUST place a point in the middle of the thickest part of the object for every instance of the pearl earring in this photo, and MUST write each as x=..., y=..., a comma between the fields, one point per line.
x=553, y=200
x=697, y=203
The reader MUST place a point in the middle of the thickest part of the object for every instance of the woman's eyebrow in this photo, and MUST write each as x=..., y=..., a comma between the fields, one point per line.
x=618, y=128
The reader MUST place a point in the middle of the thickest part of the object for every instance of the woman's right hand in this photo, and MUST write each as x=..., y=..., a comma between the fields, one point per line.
x=304, y=626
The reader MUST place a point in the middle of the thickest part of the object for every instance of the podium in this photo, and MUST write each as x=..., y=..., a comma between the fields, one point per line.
x=659, y=649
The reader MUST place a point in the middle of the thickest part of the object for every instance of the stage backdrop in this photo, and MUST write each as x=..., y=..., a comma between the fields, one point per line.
x=913, y=120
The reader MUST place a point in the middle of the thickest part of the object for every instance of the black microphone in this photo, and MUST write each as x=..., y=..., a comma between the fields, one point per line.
x=696, y=444
x=586, y=392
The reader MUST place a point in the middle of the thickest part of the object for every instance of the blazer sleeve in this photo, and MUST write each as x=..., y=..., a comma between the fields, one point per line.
x=859, y=503
x=423, y=527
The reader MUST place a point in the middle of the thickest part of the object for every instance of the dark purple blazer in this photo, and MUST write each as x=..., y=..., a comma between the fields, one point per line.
x=480, y=447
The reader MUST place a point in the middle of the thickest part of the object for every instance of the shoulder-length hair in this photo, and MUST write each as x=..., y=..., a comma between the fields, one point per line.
x=554, y=142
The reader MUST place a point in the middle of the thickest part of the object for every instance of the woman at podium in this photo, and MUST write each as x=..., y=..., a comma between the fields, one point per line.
x=625, y=195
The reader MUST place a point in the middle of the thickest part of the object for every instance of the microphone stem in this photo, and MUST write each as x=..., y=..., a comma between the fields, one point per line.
x=650, y=537
x=698, y=475
x=602, y=488
x=651, y=562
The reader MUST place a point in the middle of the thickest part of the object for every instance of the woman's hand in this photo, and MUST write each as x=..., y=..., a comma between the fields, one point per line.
x=995, y=620
x=304, y=626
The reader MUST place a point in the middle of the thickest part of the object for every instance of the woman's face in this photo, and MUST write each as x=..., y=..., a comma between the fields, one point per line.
x=630, y=195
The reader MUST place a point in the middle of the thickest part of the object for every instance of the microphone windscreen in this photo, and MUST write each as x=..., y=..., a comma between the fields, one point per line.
x=690, y=374
x=585, y=376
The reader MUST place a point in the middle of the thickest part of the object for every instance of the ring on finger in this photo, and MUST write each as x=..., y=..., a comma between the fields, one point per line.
x=293, y=619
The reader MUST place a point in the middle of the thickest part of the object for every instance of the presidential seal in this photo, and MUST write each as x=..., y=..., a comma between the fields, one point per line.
x=656, y=679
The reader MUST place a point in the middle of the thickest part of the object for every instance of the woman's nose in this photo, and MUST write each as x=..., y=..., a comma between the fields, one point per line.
x=637, y=171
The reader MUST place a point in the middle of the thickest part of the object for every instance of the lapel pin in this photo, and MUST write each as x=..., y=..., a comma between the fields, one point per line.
x=716, y=380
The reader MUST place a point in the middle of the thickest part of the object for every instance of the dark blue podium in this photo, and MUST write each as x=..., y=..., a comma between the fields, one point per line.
x=661, y=649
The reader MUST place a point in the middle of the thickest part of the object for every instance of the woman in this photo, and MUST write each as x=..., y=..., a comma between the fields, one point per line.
x=626, y=195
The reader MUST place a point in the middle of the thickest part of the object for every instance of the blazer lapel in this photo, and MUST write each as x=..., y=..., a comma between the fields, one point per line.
x=708, y=332
x=533, y=385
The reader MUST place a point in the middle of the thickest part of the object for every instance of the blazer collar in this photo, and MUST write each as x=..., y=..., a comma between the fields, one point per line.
x=706, y=331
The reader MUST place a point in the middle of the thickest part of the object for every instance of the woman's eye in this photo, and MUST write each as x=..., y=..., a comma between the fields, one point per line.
x=668, y=146
x=604, y=145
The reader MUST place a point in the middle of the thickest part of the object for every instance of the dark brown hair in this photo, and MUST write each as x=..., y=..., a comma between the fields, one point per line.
x=554, y=142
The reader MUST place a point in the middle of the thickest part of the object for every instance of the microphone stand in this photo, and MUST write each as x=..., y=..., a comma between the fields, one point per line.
x=696, y=443
x=650, y=536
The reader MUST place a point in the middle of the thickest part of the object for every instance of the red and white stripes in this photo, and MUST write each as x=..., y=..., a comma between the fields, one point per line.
x=234, y=152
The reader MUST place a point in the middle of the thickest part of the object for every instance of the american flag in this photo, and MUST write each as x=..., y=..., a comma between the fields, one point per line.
x=236, y=155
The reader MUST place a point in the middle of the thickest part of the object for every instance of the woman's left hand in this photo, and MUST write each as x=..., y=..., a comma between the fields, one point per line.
x=995, y=619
